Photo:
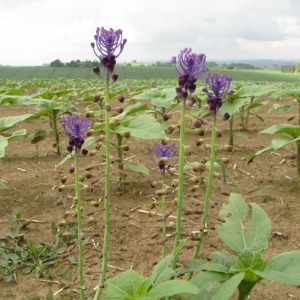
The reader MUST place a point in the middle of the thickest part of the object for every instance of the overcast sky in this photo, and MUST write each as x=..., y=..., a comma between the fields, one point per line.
x=34, y=32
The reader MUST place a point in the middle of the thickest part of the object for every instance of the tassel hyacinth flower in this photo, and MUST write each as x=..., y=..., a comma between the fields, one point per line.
x=109, y=44
x=217, y=86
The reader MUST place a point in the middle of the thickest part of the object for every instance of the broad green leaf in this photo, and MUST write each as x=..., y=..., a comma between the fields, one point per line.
x=3, y=145
x=208, y=283
x=158, y=97
x=228, y=287
x=268, y=148
x=224, y=258
x=233, y=232
x=123, y=286
x=232, y=106
x=17, y=134
x=143, y=127
x=281, y=141
x=202, y=265
x=138, y=167
x=283, y=268
x=172, y=287
x=8, y=122
x=2, y=185
x=162, y=270
x=292, y=130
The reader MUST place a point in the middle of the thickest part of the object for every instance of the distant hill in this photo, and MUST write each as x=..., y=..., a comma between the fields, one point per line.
x=260, y=62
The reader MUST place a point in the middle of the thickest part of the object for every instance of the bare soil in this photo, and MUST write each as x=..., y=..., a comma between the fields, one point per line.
x=135, y=240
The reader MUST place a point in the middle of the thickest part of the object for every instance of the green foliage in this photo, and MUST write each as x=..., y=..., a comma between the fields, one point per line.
x=249, y=239
x=33, y=258
x=292, y=135
x=129, y=285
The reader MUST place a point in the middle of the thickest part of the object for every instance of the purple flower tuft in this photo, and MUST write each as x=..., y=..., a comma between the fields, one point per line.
x=217, y=86
x=163, y=154
x=75, y=127
x=190, y=64
x=108, y=45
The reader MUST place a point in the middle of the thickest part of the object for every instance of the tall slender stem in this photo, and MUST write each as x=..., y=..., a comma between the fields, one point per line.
x=79, y=227
x=106, y=196
x=180, y=183
x=163, y=211
x=209, y=186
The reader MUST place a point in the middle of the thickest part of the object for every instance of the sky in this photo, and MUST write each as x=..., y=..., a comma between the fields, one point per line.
x=36, y=32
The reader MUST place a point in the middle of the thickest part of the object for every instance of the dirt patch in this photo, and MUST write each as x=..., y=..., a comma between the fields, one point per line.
x=134, y=241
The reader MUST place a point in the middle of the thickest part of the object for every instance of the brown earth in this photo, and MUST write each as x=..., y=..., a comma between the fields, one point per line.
x=33, y=191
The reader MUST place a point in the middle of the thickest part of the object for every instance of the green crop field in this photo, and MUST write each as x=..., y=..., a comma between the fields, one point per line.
x=140, y=72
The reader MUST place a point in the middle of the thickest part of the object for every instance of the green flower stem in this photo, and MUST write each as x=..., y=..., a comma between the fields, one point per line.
x=231, y=130
x=180, y=183
x=209, y=186
x=106, y=197
x=79, y=227
x=163, y=211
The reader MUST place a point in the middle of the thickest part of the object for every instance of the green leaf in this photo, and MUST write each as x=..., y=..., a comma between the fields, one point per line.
x=17, y=134
x=232, y=106
x=138, y=167
x=8, y=122
x=143, y=127
x=3, y=145
x=281, y=141
x=233, y=232
x=208, y=283
x=123, y=286
x=2, y=185
x=172, y=287
x=228, y=287
x=292, y=130
x=283, y=268
x=259, y=152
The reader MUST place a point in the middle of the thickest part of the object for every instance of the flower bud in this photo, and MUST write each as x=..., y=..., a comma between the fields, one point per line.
x=114, y=78
x=126, y=134
x=165, y=141
x=114, y=122
x=199, y=142
x=171, y=128
x=121, y=98
x=92, y=152
x=172, y=171
x=174, y=183
x=218, y=133
x=96, y=71
x=72, y=169
x=96, y=97
x=88, y=175
x=63, y=180
x=107, y=107
x=199, y=167
x=90, y=114
x=204, y=121
x=228, y=148
x=84, y=152
x=192, y=101
x=166, y=116
x=119, y=109
x=125, y=147
x=200, y=131
x=226, y=116
x=61, y=188
x=224, y=160
x=196, y=123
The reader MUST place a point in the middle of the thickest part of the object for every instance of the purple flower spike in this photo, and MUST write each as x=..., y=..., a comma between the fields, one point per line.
x=163, y=154
x=75, y=127
x=108, y=45
x=217, y=86
x=190, y=64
